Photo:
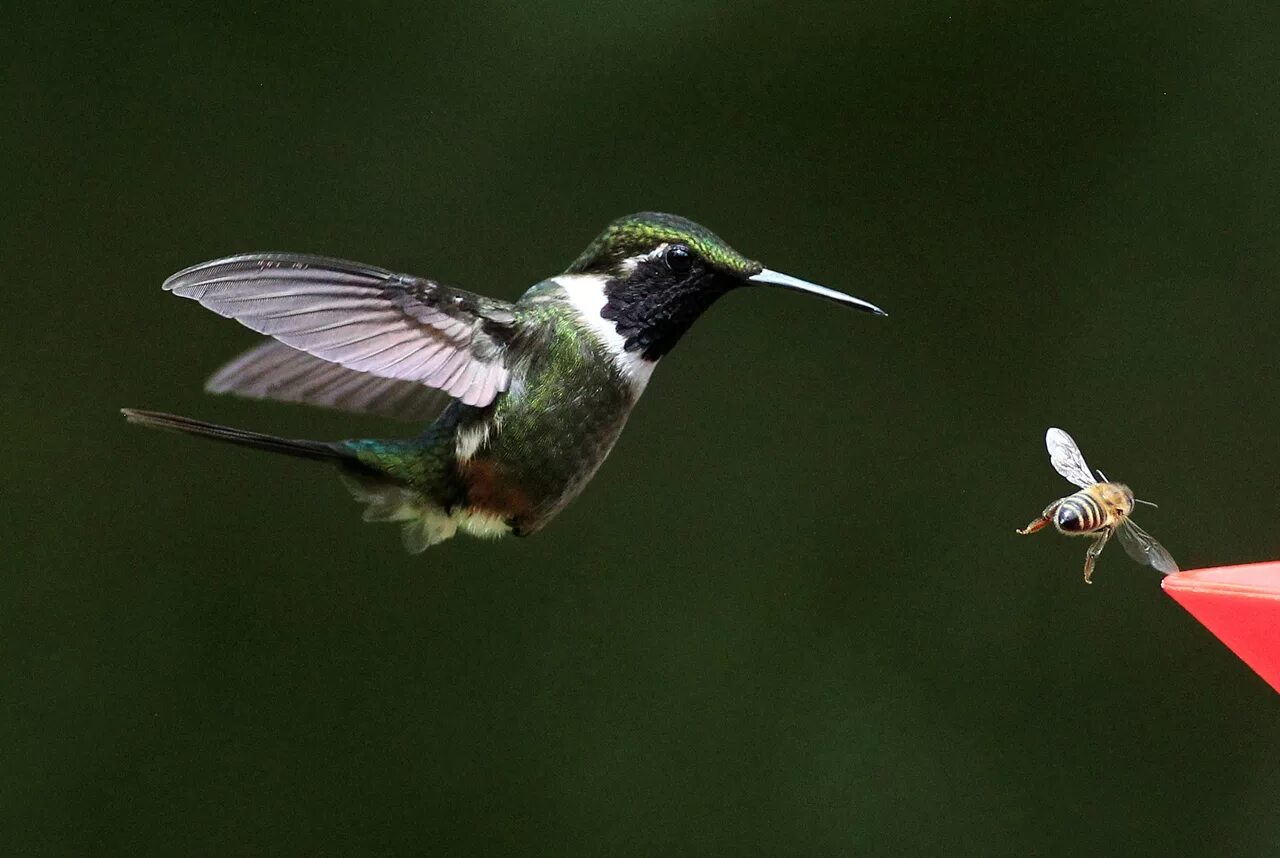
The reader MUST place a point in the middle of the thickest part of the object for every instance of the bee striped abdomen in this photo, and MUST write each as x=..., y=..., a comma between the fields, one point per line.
x=1079, y=513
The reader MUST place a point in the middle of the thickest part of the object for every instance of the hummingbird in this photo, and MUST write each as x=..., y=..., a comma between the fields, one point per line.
x=524, y=399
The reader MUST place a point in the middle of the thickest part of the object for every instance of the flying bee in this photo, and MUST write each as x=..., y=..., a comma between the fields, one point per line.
x=1099, y=509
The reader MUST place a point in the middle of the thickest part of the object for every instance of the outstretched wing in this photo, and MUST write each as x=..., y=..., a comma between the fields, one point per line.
x=1139, y=545
x=1066, y=459
x=272, y=370
x=362, y=317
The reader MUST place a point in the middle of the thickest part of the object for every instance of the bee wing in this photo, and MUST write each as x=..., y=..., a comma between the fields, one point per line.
x=1066, y=458
x=1139, y=545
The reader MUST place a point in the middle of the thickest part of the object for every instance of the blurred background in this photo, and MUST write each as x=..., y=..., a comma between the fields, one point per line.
x=790, y=615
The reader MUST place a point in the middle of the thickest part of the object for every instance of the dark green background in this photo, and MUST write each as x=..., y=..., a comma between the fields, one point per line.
x=790, y=616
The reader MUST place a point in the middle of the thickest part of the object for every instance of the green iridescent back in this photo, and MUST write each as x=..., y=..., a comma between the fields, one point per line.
x=639, y=233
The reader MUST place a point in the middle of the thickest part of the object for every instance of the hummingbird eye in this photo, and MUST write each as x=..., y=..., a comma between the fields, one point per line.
x=679, y=258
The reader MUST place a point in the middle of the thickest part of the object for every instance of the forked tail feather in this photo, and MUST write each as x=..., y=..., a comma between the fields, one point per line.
x=315, y=450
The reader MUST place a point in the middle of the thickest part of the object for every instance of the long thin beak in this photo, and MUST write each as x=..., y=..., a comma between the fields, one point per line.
x=786, y=281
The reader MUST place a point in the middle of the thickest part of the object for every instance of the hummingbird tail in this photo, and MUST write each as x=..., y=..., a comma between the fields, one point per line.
x=383, y=488
x=315, y=450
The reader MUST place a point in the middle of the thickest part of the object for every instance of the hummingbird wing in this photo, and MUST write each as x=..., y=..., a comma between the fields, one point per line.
x=362, y=317
x=272, y=370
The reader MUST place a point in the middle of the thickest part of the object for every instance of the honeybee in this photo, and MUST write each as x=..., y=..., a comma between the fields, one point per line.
x=1099, y=509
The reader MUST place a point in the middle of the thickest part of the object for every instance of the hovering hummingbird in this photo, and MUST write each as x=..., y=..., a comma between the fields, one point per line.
x=527, y=398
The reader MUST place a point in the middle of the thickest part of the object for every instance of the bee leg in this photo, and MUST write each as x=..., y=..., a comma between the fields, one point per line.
x=1091, y=555
x=1045, y=518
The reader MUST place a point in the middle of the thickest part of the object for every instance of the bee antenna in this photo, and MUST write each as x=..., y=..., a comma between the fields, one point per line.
x=1148, y=503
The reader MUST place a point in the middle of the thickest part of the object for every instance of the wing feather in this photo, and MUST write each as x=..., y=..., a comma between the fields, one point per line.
x=361, y=317
x=272, y=370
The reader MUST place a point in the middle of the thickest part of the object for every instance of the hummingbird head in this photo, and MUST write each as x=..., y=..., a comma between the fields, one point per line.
x=660, y=272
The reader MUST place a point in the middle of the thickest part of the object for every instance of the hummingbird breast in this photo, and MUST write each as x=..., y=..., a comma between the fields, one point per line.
x=534, y=450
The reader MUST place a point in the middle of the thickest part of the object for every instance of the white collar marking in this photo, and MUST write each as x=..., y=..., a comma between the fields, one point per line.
x=586, y=294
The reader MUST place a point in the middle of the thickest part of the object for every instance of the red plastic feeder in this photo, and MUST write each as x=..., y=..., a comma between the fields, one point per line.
x=1239, y=604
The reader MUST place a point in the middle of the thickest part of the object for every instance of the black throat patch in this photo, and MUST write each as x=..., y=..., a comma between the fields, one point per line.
x=651, y=309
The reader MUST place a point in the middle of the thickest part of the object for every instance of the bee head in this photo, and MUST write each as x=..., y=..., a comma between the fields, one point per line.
x=1117, y=496
x=1124, y=499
